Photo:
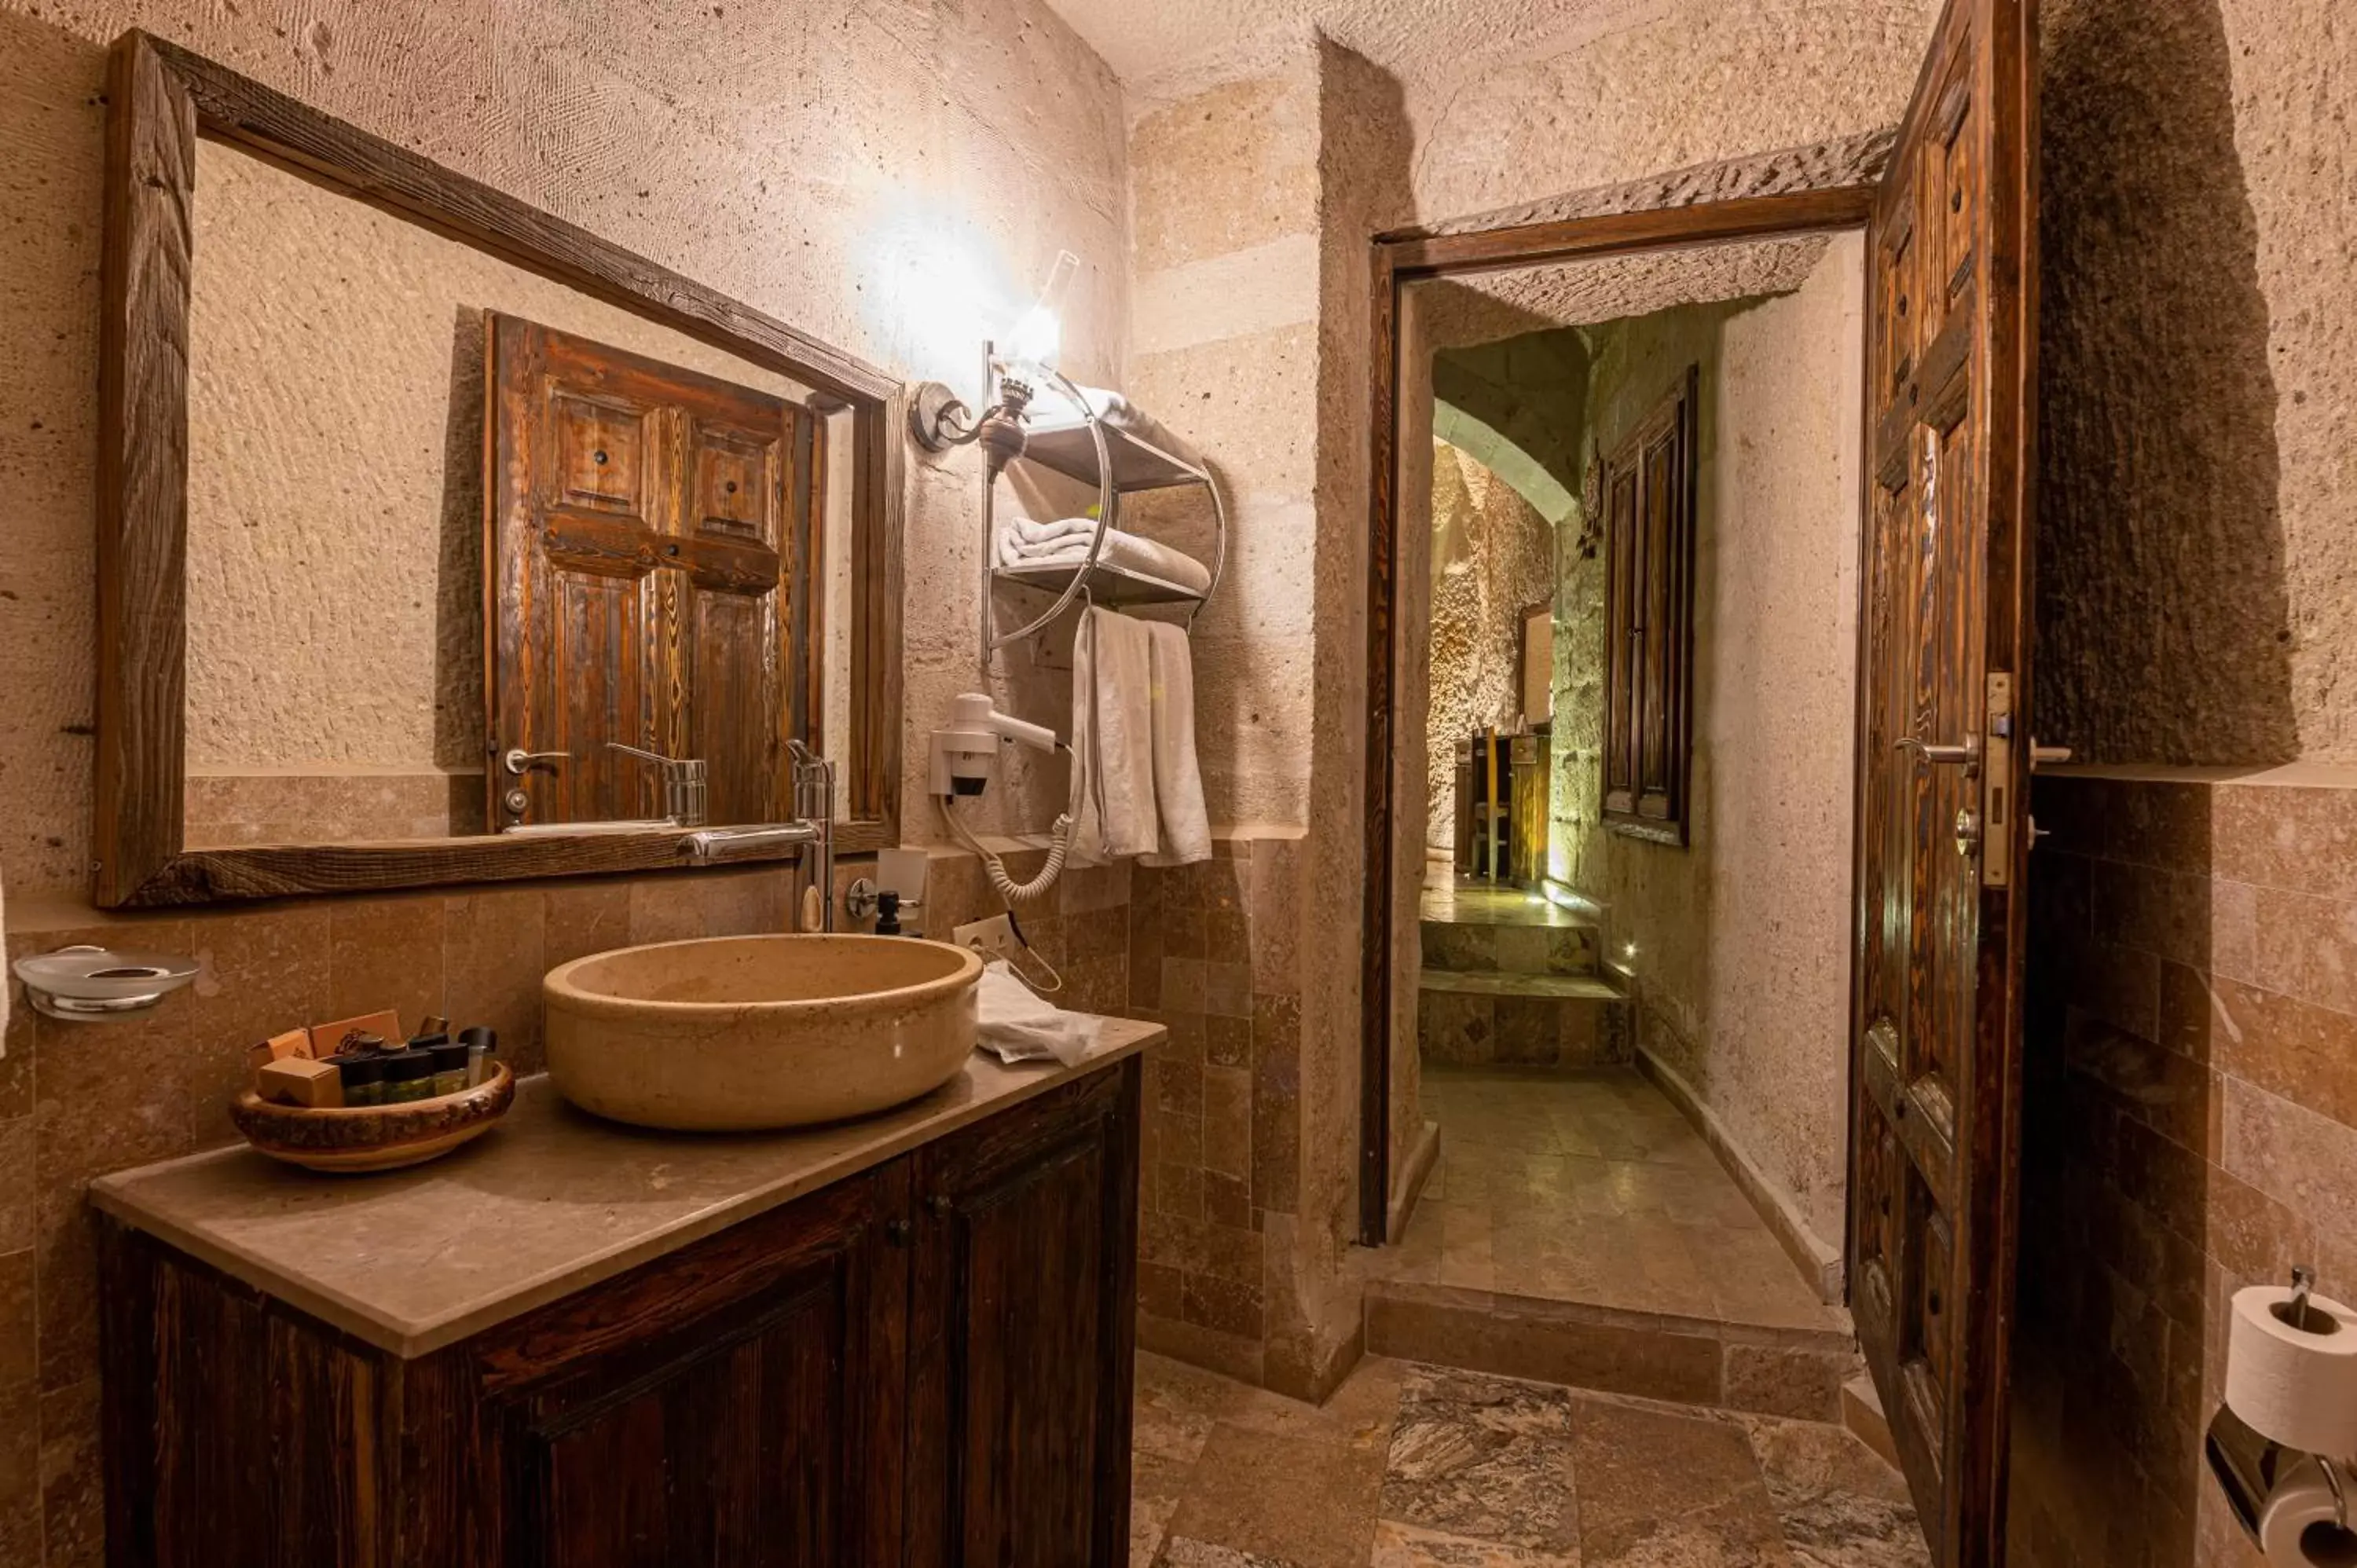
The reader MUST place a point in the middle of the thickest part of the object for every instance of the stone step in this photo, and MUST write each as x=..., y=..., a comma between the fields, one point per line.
x=1487, y=947
x=1793, y=1372
x=1862, y=1413
x=1539, y=1020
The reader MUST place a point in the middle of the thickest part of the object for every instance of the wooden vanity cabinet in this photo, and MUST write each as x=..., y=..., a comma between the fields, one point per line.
x=927, y=1363
x=1021, y=1338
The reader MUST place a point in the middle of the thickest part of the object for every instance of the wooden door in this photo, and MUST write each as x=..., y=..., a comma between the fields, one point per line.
x=741, y=1406
x=1021, y=1335
x=1942, y=767
x=644, y=579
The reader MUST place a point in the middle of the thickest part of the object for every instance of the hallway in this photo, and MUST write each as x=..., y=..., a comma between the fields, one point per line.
x=1588, y=1187
x=1415, y=1466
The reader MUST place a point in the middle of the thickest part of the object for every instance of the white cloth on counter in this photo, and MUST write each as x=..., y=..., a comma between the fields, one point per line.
x=1177, y=776
x=1016, y=1024
x=1134, y=739
x=1065, y=542
x=1113, y=736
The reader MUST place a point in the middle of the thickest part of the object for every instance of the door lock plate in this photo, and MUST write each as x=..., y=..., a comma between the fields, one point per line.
x=1996, y=813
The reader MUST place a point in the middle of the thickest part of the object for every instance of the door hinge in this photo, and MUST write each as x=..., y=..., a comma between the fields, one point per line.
x=1997, y=804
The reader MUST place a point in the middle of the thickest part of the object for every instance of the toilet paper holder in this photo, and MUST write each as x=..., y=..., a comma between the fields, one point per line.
x=2248, y=1465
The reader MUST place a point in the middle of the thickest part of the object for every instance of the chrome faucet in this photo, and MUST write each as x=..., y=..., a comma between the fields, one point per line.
x=683, y=783
x=814, y=790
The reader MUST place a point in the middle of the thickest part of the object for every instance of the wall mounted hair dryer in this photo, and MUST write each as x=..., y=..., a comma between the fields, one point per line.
x=965, y=750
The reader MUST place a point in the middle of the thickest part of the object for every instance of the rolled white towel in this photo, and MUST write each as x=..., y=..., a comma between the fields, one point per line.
x=1036, y=535
x=1133, y=551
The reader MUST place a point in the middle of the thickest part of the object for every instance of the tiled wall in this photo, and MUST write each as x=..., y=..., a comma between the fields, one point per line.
x=1209, y=957
x=2190, y=1112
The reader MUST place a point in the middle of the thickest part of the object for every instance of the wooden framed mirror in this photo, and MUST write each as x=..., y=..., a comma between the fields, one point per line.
x=728, y=487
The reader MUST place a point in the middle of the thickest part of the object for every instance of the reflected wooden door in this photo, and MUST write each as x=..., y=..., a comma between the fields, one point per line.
x=646, y=526
x=1942, y=761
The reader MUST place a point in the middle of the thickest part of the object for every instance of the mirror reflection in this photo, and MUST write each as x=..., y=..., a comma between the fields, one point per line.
x=472, y=551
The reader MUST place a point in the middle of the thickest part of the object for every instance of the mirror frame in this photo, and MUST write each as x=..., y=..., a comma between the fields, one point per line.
x=161, y=100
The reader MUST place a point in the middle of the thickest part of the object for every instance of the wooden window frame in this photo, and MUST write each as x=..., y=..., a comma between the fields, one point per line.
x=1649, y=589
x=161, y=100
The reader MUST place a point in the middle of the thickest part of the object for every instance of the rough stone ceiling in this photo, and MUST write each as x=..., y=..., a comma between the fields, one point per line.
x=1150, y=43
x=1461, y=313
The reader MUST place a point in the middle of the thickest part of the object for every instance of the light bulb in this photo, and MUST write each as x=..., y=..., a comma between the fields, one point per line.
x=1037, y=335
x=1036, y=338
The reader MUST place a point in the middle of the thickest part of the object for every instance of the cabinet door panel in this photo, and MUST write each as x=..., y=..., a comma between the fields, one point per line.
x=1020, y=1337
x=738, y=1406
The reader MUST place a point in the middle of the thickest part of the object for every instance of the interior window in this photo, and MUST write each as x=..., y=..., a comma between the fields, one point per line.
x=1649, y=499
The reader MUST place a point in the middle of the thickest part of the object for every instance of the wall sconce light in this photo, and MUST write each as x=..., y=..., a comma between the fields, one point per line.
x=939, y=419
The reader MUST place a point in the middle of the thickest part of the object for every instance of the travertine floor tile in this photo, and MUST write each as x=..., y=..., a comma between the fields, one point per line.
x=1589, y=1187
x=1483, y=1457
x=1667, y=1491
x=1299, y=1500
x=1405, y=1546
x=1415, y=1466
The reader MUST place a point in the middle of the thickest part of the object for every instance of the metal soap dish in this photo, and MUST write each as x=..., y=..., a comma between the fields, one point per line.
x=86, y=985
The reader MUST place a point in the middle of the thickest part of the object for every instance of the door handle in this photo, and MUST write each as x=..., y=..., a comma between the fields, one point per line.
x=518, y=761
x=1968, y=755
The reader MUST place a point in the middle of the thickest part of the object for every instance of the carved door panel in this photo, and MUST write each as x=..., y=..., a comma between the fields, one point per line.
x=645, y=528
x=1943, y=764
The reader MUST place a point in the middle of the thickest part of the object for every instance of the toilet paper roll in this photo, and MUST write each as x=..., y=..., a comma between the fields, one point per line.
x=2294, y=1385
x=2300, y=1525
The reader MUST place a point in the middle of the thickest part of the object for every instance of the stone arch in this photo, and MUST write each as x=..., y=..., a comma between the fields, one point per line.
x=1530, y=479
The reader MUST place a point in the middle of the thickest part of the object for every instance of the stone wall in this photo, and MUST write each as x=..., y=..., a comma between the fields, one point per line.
x=1492, y=557
x=893, y=185
x=2199, y=407
x=1253, y=202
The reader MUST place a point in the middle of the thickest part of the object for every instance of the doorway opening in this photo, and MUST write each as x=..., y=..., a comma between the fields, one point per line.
x=1630, y=510
x=1726, y=797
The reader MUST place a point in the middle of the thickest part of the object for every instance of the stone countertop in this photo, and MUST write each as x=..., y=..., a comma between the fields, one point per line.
x=549, y=1202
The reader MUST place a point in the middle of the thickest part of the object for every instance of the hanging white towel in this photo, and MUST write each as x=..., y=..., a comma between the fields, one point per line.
x=1178, y=776
x=1113, y=736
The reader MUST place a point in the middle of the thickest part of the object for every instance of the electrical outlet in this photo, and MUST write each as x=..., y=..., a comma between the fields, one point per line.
x=993, y=937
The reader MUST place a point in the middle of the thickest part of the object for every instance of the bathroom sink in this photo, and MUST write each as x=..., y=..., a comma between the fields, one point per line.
x=737, y=1032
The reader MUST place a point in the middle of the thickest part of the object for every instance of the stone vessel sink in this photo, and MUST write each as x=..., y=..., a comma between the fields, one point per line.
x=730, y=1033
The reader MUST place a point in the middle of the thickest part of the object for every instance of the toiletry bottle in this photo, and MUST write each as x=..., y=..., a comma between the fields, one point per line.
x=408, y=1076
x=481, y=1044
x=363, y=1080
x=449, y=1066
x=887, y=914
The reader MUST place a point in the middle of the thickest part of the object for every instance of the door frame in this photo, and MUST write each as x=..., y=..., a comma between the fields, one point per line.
x=1825, y=188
